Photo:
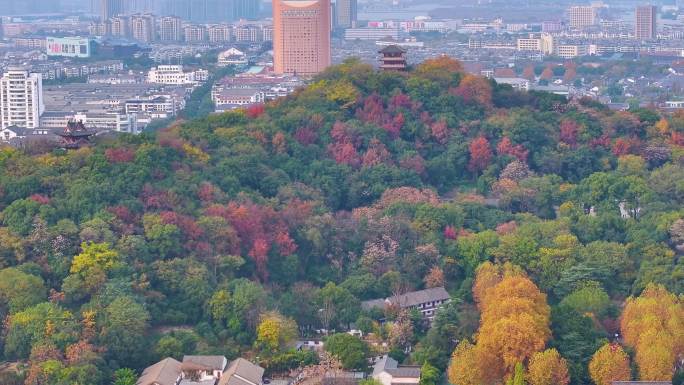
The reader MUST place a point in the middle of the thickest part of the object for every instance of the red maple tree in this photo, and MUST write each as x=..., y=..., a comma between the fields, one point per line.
x=480, y=154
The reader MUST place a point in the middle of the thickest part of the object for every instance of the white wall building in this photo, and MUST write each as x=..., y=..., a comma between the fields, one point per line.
x=236, y=97
x=157, y=108
x=232, y=56
x=388, y=372
x=569, y=51
x=21, y=98
x=520, y=84
x=372, y=33
x=582, y=16
x=539, y=43
x=69, y=46
x=174, y=75
x=100, y=121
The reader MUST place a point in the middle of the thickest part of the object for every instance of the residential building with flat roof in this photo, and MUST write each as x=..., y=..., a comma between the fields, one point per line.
x=582, y=16
x=21, y=98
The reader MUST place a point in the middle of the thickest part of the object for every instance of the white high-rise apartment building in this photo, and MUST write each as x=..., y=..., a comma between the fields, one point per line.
x=220, y=33
x=582, y=16
x=120, y=26
x=143, y=28
x=170, y=28
x=21, y=98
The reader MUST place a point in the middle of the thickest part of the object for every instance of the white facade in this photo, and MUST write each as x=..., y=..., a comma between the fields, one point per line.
x=220, y=33
x=387, y=371
x=109, y=122
x=170, y=28
x=7, y=134
x=248, y=33
x=539, y=43
x=674, y=104
x=238, y=97
x=387, y=379
x=174, y=75
x=103, y=121
x=68, y=46
x=157, y=108
x=232, y=56
x=582, y=16
x=517, y=83
x=143, y=28
x=569, y=51
x=372, y=33
x=195, y=33
x=21, y=98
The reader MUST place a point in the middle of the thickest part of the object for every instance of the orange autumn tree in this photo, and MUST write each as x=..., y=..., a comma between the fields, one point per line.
x=440, y=69
x=480, y=154
x=465, y=367
x=489, y=274
x=548, y=368
x=653, y=324
x=514, y=325
x=474, y=89
x=486, y=277
x=609, y=363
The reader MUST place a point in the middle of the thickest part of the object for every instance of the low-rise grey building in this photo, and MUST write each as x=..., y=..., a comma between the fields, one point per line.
x=426, y=301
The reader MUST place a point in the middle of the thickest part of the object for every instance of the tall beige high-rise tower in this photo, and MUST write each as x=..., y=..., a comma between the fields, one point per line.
x=645, y=27
x=301, y=36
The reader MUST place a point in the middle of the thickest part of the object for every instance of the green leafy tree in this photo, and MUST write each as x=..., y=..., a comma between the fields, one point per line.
x=42, y=323
x=125, y=376
x=590, y=298
x=19, y=290
x=19, y=215
x=337, y=306
x=11, y=248
x=169, y=346
x=123, y=330
x=429, y=375
x=352, y=352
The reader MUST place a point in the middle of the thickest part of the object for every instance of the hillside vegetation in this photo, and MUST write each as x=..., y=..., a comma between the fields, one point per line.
x=553, y=224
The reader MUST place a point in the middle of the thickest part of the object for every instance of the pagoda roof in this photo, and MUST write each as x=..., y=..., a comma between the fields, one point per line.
x=392, y=49
x=76, y=128
x=76, y=134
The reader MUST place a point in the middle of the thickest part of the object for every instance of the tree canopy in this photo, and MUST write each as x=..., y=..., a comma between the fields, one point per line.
x=553, y=224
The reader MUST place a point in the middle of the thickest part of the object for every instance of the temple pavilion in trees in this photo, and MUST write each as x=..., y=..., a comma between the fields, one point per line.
x=75, y=135
x=393, y=58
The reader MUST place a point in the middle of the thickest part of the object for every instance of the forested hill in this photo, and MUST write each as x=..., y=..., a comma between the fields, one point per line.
x=365, y=183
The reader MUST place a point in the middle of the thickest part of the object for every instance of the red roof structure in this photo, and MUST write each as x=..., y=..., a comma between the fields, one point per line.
x=75, y=135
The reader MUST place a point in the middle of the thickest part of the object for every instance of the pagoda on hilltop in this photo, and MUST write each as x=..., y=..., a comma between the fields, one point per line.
x=393, y=58
x=75, y=135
